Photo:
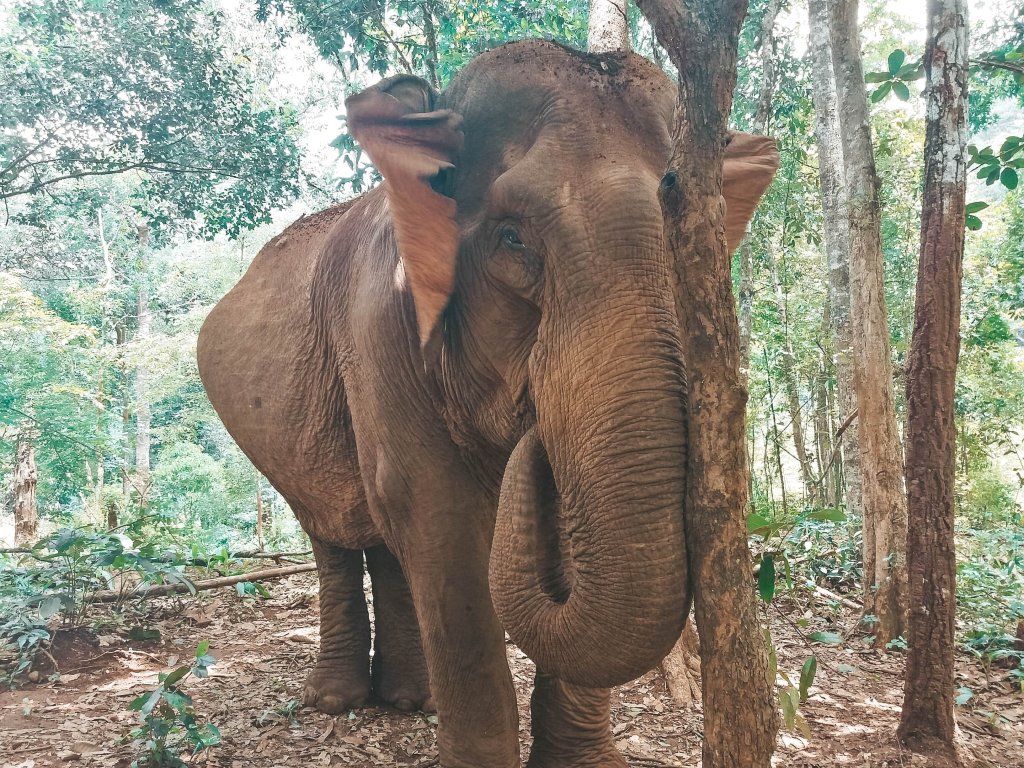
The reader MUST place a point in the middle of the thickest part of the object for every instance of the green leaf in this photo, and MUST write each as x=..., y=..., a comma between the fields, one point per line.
x=901, y=90
x=773, y=656
x=789, y=699
x=176, y=676
x=807, y=672
x=963, y=696
x=881, y=92
x=895, y=61
x=766, y=578
x=876, y=77
x=911, y=71
x=831, y=514
x=49, y=607
x=973, y=223
x=202, y=648
x=141, y=633
x=975, y=207
x=755, y=521
x=1009, y=178
x=825, y=638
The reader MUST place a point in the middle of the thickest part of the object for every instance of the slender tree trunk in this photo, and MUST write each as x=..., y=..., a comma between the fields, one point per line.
x=427, y=11
x=681, y=668
x=259, y=513
x=740, y=717
x=790, y=382
x=761, y=119
x=885, y=505
x=927, y=723
x=127, y=451
x=837, y=242
x=683, y=657
x=608, y=28
x=142, y=408
x=26, y=475
x=746, y=308
x=828, y=485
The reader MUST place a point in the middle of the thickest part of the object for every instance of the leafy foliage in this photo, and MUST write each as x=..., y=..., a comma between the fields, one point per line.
x=169, y=720
x=94, y=89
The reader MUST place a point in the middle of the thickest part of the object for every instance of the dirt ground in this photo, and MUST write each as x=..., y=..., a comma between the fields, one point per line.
x=264, y=648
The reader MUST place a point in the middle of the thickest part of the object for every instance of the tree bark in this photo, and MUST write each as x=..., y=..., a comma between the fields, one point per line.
x=828, y=476
x=885, y=506
x=761, y=118
x=837, y=242
x=429, y=31
x=142, y=410
x=746, y=305
x=927, y=723
x=608, y=27
x=790, y=382
x=740, y=717
x=681, y=668
x=26, y=476
x=259, y=512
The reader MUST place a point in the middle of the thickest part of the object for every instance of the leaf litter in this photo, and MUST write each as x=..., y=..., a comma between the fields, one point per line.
x=265, y=647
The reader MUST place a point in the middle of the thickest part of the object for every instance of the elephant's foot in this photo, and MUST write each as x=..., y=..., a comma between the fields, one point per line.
x=402, y=683
x=571, y=726
x=399, y=667
x=606, y=757
x=338, y=688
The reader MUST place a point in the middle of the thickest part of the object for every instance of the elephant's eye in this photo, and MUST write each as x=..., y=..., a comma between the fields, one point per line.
x=510, y=239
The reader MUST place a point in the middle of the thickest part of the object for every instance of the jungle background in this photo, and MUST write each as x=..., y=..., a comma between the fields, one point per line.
x=148, y=148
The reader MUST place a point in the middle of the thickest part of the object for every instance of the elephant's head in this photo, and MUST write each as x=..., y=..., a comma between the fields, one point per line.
x=525, y=206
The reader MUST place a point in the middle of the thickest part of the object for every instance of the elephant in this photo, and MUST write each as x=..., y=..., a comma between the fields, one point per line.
x=471, y=376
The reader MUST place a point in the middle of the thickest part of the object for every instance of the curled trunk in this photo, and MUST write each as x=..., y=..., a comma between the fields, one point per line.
x=588, y=565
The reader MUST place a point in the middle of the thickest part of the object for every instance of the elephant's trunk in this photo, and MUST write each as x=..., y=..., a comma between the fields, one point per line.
x=588, y=565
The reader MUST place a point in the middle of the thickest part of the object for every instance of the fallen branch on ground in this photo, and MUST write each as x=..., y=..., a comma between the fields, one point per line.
x=159, y=590
x=833, y=596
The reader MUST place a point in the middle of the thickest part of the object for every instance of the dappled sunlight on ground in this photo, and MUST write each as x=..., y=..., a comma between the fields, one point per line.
x=264, y=649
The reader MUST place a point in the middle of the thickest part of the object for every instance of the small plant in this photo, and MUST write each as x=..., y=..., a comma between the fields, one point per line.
x=169, y=719
x=285, y=712
x=24, y=637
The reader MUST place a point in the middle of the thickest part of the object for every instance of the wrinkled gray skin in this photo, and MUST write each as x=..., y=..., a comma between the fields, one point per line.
x=484, y=346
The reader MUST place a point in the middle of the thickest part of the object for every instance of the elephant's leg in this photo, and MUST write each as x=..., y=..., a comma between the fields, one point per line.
x=571, y=726
x=440, y=532
x=399, y=670
x=341, y=678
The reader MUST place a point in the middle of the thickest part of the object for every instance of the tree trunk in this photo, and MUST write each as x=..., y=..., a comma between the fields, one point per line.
x=142, y=410
x=127, y=453
x=681, y=668
x=259, y=512
x=791, y=383
x=746, y=310
x=828, y=484
x=927, y=723
x=837, y=242
x=608, y=28
x=885, y=506
x=26, y=513
x=740, y=717
x=761, y=118
x=430, y=32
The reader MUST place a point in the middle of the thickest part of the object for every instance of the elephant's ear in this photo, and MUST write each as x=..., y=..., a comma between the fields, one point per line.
x=412, y=144
x=750, y=165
